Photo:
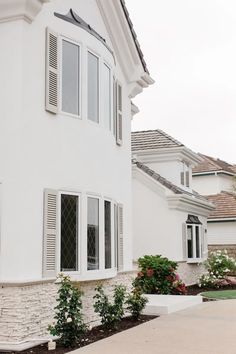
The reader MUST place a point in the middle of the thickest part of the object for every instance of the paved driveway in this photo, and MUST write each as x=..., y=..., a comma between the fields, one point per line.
x=209, y=328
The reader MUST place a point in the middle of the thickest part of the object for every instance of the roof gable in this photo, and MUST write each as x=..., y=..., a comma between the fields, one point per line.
x=225, y=203
x=211, y=164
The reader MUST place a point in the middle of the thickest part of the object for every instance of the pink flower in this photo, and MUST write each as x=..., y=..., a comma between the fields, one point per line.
x=150, y=272
x=177, y=276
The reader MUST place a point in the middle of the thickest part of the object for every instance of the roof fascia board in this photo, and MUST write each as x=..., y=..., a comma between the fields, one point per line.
x=124, y=46
x=180, y=153
x=189, y=204
x=213, y=173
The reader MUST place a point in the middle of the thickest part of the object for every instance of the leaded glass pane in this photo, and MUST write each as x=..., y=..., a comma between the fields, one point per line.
x=70, y=77
x=107, y=223
x=69, y=232
x=93, y=234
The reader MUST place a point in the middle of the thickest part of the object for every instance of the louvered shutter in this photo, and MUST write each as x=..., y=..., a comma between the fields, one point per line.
x=50, y=238
x=184, y=241
x=182, y=178
x=52, y=72
x=119, y=116
x=120, y=245
x=204, y=243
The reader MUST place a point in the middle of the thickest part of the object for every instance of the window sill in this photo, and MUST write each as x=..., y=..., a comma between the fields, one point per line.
x=194, y=260
x=92, y=275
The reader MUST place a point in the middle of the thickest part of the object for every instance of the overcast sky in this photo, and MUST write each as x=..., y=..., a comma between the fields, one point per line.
x=190, y=49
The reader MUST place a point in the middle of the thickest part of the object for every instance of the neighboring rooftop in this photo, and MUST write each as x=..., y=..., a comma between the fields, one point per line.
x=157, y=177
x=152, y=139
x=210, y=164
x=225, y=203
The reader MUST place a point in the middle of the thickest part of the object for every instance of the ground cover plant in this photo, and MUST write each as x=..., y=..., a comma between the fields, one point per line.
x=158, y=275
x=220, y=294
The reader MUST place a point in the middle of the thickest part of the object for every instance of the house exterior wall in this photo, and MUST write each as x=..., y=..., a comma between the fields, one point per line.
x=52, y=151
x=221, y=233
x=212, y=184
x=158, y=229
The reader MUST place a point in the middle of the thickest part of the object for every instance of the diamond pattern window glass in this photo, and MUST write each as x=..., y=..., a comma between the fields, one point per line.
x=107, y=225
x=69, y=232
x=93, y=234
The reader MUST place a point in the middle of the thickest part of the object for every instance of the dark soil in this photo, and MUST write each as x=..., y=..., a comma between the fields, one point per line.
x=96, y=333
x=194, y=289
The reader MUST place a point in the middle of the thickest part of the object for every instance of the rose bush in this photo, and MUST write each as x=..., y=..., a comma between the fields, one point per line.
x=158, y=275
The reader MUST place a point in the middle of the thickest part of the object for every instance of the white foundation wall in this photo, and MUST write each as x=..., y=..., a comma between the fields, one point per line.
x=221, y=233
x=212, y=184
x=40, y=150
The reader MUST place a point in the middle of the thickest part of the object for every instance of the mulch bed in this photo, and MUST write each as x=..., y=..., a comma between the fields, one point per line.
x=95, y=334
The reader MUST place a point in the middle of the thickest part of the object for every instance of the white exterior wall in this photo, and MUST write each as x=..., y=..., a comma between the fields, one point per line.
x=212, y=184
x=221, y=233
x=40, y=150
x=156, y=228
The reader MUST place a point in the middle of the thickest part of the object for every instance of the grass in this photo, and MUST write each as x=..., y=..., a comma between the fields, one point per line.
x=220, y=294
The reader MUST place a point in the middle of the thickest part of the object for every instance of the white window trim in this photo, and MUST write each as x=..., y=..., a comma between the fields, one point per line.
x=98, y=56
x=63, y=113
x=60, y=193
x=194, y=259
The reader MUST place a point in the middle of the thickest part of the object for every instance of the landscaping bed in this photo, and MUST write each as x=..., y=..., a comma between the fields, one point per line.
x=95, y=334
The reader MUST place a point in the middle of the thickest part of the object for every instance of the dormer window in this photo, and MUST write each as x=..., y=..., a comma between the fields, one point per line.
x=184, y=176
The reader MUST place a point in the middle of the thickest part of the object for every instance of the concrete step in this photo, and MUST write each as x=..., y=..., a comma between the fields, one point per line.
x=165, y=304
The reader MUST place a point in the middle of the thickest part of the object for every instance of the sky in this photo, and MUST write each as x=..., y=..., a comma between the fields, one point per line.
x=190, y=50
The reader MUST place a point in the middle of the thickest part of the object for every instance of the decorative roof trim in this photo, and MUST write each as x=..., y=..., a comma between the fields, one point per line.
x=76, y=20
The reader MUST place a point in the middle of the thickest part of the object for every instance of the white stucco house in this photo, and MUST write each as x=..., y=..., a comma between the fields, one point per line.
x=215, y=179
x=169, y=218
x=69, y=69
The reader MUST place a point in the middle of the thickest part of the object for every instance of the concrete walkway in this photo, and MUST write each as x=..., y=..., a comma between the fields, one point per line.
x=209, y=328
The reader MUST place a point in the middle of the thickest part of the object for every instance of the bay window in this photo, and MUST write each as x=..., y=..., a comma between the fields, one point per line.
x=107, y=234
x=93, y=87
x=93, y=233
x=107, y=96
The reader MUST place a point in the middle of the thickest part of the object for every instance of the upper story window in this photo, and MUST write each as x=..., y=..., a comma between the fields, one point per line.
x=70, y=80
x=103, y=96
x=185, y=175
x=93, y=87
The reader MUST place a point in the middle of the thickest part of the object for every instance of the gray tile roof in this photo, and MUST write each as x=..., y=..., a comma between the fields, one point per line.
x=136, y=42
x=157, y=177
x=152, y=139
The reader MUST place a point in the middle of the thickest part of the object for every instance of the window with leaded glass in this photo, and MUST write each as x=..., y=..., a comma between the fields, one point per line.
x=107, y=232
x=69, y=232
x=93, y=233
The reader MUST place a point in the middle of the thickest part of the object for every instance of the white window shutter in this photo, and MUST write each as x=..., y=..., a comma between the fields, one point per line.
x=120, y=246
x=204, y=243
x=182, y=178
x=187, y=178
x=184, y=241
x=50, y=237
x=119, y=115
x=52, y=72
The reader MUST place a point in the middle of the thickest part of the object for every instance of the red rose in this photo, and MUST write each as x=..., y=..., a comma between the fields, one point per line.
x=170, y=278
x=150, y=272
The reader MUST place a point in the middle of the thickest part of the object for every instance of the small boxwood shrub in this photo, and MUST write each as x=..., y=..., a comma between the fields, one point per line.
x=157, y=275
x=111, y=312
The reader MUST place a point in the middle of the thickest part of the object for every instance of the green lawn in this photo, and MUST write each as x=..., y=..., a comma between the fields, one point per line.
x=220, y=294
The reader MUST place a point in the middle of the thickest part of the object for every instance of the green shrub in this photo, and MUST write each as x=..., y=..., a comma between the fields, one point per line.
x=158, y=276
x=136, y=302
x=69, y=326
x=110, y=312
x=218, y=266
